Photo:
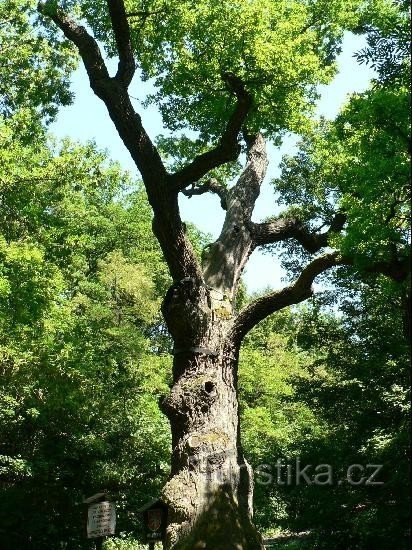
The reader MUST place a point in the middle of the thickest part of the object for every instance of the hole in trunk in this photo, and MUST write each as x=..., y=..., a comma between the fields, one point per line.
x=209, y=387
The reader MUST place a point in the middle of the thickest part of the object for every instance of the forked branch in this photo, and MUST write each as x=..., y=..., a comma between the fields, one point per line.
x=86, y=44
x=121, y=29
x=113, y=90
x=211, y=186
x=228, y=148
x=227, y=256
x=167, y=224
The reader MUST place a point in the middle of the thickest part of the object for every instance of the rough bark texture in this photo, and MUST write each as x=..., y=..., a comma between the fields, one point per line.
x=211, y=485
x=225, y=259
x=210, y=490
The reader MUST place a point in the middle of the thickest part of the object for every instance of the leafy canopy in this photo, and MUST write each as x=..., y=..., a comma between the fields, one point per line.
x=360, y=162
x=280, y=50
x=81, y=348
x=35, y=64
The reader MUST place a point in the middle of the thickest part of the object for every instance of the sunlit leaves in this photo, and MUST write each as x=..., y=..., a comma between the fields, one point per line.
x=130, y=286
x=80, y=283
x=388, y=44
x=359, y=164
x=34, y=66
x=280, y=50
x=178, y=151
x=28, y=284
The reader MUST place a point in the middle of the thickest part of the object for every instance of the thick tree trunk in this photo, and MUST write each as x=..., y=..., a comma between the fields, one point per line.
x=210, y=489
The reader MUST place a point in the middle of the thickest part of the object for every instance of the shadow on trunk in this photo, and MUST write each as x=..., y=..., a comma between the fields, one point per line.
x=222, y=525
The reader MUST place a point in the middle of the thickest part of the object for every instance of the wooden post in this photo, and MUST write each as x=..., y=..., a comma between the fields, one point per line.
x=99, y=543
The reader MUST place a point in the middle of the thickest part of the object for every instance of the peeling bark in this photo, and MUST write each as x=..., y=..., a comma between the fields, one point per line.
x=226, y=258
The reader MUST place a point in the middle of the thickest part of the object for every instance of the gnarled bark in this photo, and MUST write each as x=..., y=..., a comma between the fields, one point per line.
x=225, y=259
x=210, y=490
x=211, y=485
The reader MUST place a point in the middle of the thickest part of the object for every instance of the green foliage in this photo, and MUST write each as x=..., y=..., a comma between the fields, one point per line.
x=375, y=173
x=83, y=350
x=280, y=50
x=362, y=388
x=360, y=164
x=177, y=152
x=35, y=65
x=275, y=424
x=80, y=283
x=388, y=44
x=355, y=382
x=331, y=390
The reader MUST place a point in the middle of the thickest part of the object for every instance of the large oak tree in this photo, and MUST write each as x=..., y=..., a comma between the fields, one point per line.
x=238, y=74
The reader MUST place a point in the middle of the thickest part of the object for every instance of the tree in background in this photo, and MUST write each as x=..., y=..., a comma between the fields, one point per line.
x=237, y=73
x=82, y=358
x=322, y=388
x=356, y=386
x=35, y=67
x=80, y=281
x=360, y=162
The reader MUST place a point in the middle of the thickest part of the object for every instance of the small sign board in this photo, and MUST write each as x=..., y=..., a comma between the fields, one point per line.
x=101, y=519
x=154, y=523
x=155, y=520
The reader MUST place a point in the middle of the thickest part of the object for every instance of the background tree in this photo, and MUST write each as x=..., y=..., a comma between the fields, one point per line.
x=82, y=357
x=322, y=388
x=239, y=69
x=358, y=385
x=35, y=67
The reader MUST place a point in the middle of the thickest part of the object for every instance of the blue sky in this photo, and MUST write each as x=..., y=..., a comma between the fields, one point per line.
x=87, y=119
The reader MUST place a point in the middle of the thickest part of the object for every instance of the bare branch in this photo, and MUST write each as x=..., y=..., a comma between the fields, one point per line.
x=301, y=289
x=227, y=256
x=297, y=292
x=228, y=148
x=211, y=186
x=291, y=228
x=247, y=188
x=167, y=224
x=121, y=29
x=128, y=123
x=86, y=44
